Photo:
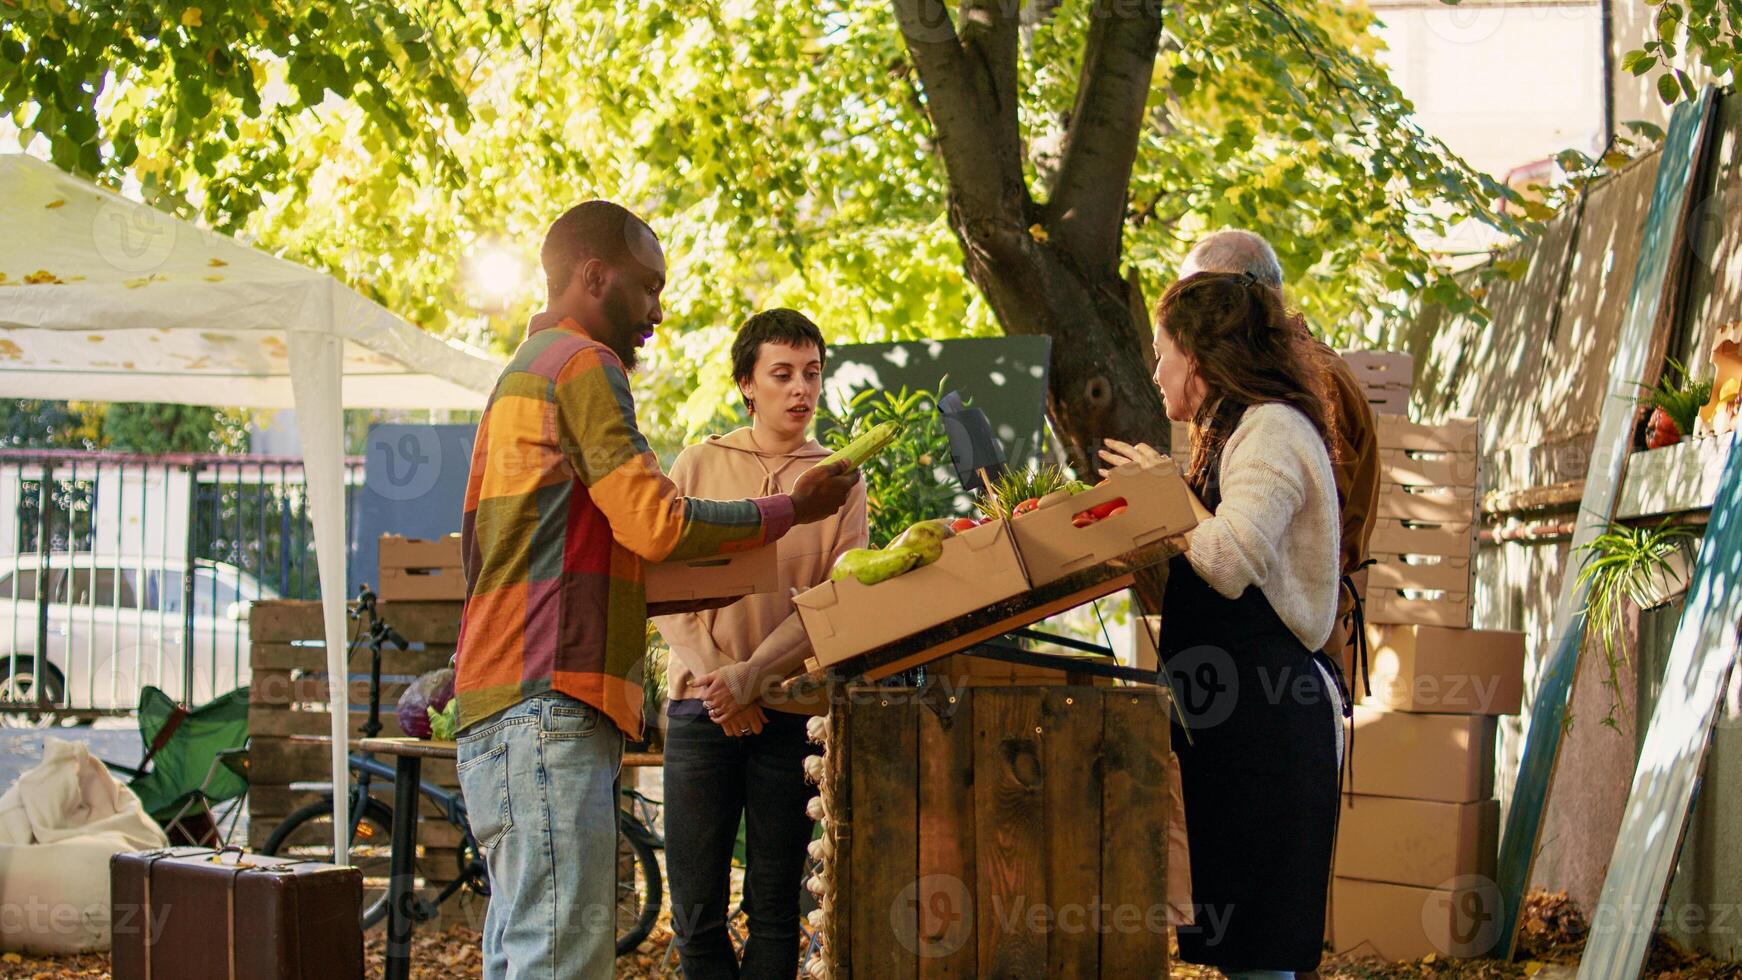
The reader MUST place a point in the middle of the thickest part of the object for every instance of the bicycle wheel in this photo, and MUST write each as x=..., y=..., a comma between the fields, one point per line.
x=639, y=890
x=307, y=835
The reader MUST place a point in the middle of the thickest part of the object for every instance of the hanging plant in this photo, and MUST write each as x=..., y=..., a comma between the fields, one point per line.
x=1643, y=566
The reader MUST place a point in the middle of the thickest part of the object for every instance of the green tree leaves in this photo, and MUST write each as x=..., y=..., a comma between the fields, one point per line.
x=1708, y=32
x=781, y=149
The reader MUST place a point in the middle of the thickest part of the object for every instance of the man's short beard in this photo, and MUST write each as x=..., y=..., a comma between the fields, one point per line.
x=623, y=333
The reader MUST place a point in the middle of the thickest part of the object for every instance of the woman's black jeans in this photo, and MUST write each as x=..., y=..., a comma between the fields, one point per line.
x=710, y=780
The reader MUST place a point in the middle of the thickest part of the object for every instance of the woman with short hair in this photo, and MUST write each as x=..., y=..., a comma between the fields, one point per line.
x=744, y=757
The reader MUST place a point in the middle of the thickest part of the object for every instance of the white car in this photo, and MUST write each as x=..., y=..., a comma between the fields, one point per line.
x=116, y=625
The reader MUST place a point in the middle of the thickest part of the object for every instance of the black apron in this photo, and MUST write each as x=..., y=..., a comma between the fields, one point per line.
x=1259, y=774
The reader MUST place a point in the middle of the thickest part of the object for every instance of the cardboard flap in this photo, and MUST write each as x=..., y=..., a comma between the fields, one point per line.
x=985, y=536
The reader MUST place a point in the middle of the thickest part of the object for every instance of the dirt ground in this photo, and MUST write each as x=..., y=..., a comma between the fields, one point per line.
x=1553, y=936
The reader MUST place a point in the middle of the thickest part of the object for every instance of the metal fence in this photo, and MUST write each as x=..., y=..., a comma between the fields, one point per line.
x=148, y=565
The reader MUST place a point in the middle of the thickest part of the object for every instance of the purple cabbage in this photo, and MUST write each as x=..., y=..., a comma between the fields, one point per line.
x=430, y=692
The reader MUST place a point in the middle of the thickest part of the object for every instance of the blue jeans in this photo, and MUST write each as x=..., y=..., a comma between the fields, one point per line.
x=539, y=780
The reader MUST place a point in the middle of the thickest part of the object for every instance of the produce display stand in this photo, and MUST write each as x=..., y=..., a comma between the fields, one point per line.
x=1012, y=831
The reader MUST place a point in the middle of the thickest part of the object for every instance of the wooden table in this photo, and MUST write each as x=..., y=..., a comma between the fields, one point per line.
x=402, y=859
x=402, y=871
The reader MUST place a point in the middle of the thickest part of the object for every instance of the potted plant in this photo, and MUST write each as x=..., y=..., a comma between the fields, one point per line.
x=1642, y=566
x=1675, y=404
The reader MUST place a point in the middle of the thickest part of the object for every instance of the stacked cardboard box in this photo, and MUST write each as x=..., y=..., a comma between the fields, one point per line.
x=1424, y=538
x=1386, y=377
x=1419, y=828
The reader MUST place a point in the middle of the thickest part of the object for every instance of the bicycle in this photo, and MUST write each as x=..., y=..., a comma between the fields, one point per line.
x=306, y=831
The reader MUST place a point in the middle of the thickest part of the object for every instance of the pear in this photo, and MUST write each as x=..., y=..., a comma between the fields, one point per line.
x=871, y=566
x=925, y=538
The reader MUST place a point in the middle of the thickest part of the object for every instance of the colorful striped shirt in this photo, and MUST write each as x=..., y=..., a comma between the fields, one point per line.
x=564, y=503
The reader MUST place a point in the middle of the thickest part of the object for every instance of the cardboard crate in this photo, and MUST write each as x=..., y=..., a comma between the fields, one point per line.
x=1415, y=842
x=1451, y=436
x=1413, y=572
x=1387, y=401
x=740, y=574
x=1447, y=505
x=1455, y=671
x=978, y=567
x=424, y=571
x=1426, y=468
x=1158, y=506
x=1394, y=536
x=1421, y=607
x=965, y=837
x=1407, y=922
x=1381, y=368
x=1449, y=758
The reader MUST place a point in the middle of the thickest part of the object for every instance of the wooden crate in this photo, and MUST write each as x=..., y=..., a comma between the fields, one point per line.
x=290, y=761
x=413, y=569
x=1000, y=831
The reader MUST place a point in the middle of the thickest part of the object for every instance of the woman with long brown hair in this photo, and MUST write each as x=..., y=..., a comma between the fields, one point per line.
x=1246, y=611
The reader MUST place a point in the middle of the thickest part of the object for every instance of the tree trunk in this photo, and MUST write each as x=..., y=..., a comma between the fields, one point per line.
x=1050, y=269
x=1099, y=383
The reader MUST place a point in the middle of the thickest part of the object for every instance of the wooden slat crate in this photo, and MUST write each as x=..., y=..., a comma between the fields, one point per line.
x=289, y=767
x=1001, y=831
x=414, y=569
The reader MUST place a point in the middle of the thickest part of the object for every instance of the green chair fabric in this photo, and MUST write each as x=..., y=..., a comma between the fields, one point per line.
x=182, y=769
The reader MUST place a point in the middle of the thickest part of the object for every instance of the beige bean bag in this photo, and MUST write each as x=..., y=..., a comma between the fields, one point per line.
x=59, y=825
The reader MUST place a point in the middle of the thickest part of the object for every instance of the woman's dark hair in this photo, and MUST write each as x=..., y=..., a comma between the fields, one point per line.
x=1249, y=350
x=779, y=326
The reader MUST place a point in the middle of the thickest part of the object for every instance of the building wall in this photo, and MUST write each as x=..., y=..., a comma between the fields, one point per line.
x=1503, y=84
x=1537, y=376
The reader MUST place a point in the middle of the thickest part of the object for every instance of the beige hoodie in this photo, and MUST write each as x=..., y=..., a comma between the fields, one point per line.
x=761, y=631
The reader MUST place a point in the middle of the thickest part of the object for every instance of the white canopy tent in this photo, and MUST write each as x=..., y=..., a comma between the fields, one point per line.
x=107, y=299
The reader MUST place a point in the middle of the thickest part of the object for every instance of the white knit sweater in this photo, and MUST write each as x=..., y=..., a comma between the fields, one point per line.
x=1276, y=526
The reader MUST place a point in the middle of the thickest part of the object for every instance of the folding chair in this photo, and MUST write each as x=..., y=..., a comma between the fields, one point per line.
x=196, y=759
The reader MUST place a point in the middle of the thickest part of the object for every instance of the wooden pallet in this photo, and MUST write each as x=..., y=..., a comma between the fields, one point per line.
x=289, y=722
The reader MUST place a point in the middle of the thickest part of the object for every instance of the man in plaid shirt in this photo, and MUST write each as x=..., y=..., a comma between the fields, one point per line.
x=564, y=503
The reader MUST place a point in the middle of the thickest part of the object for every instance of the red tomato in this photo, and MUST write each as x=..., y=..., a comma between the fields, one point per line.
x=1026, y=506
x=1661, y=430
x=1115, y=512
x=961, y=524
x=1104, y=511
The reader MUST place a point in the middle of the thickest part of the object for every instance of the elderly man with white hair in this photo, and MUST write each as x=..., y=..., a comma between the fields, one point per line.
x=1355, y=462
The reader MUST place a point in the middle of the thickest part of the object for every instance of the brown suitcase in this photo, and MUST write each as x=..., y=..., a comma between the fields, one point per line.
x=192, y=913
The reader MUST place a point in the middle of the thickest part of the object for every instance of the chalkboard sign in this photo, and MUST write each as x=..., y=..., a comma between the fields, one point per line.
x=1004, y=377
